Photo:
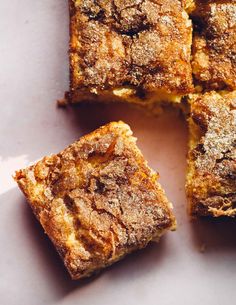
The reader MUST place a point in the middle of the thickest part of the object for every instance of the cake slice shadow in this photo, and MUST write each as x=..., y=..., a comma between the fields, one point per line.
x=213, y=236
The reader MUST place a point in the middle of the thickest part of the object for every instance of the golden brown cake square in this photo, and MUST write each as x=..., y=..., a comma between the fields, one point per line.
x=211, y=178
x=97, y=200
x=214, y=44
x=132, y=51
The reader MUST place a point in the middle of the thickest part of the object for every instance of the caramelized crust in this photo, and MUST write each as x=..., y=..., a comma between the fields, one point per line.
x=211, y=178
x=129, y=50
x=214, y=44
x=97, y=200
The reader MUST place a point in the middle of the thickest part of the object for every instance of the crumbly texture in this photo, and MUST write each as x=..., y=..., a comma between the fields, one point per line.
x=97, y=200
x=211, y=178
x=189, y=5
x=136, y=51
x=214, y=44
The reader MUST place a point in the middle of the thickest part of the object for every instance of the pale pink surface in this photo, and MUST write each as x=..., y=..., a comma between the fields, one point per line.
x=33, y=74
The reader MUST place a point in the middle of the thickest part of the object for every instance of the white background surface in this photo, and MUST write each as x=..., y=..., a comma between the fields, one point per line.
x=33, y=75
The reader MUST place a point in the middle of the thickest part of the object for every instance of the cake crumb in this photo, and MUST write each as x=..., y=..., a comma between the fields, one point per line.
x=202, y=248
x=62, y=103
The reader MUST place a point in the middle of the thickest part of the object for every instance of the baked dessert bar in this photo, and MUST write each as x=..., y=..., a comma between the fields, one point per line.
x=97, y=200
x=133, y=51
x=214, y=44
x=211, y=178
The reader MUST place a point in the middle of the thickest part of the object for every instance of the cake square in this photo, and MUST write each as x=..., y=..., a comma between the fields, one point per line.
x=211, y=178
x=132, y=51
x=97, y=200
x=214, y=44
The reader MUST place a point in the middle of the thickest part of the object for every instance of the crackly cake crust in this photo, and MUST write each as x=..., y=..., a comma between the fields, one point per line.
x=136, y=50
x=214, y=44
x=211, y=178
x=97, y=200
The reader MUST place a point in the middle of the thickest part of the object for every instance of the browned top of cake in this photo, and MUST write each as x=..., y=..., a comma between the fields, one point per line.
x=214, y=46
x=212, y=159
x=130, y=43
x=97, y=200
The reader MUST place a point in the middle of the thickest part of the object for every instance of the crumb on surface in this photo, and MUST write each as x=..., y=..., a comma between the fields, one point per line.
x=202, y=249
x=62, y=103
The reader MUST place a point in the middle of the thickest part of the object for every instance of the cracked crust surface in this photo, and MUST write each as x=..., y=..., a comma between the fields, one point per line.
x=211, y=178
x=97, y=200
x=214, y=44
x=129, y=50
